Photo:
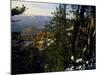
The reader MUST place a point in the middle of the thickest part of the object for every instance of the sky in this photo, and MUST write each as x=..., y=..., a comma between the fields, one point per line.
x=33, y=8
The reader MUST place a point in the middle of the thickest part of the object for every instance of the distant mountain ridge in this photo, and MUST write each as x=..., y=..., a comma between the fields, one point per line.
x=21, y=22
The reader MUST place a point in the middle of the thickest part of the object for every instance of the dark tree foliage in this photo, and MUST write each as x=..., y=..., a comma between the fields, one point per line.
x=83, y=43
x=25, y=59
x=17, y=10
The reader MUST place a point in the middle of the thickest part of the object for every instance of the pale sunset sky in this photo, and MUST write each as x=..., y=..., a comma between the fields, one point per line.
x=33, y=8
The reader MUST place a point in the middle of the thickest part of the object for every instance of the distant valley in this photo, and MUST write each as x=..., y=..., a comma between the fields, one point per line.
x=21, y=22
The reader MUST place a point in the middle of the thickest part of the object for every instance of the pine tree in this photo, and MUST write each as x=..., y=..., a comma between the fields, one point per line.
x=18, y=10
x=83, y=33
x=56, y=52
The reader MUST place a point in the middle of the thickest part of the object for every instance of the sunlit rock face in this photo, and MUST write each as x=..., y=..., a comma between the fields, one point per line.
x=28, y=34
x=43, y=39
